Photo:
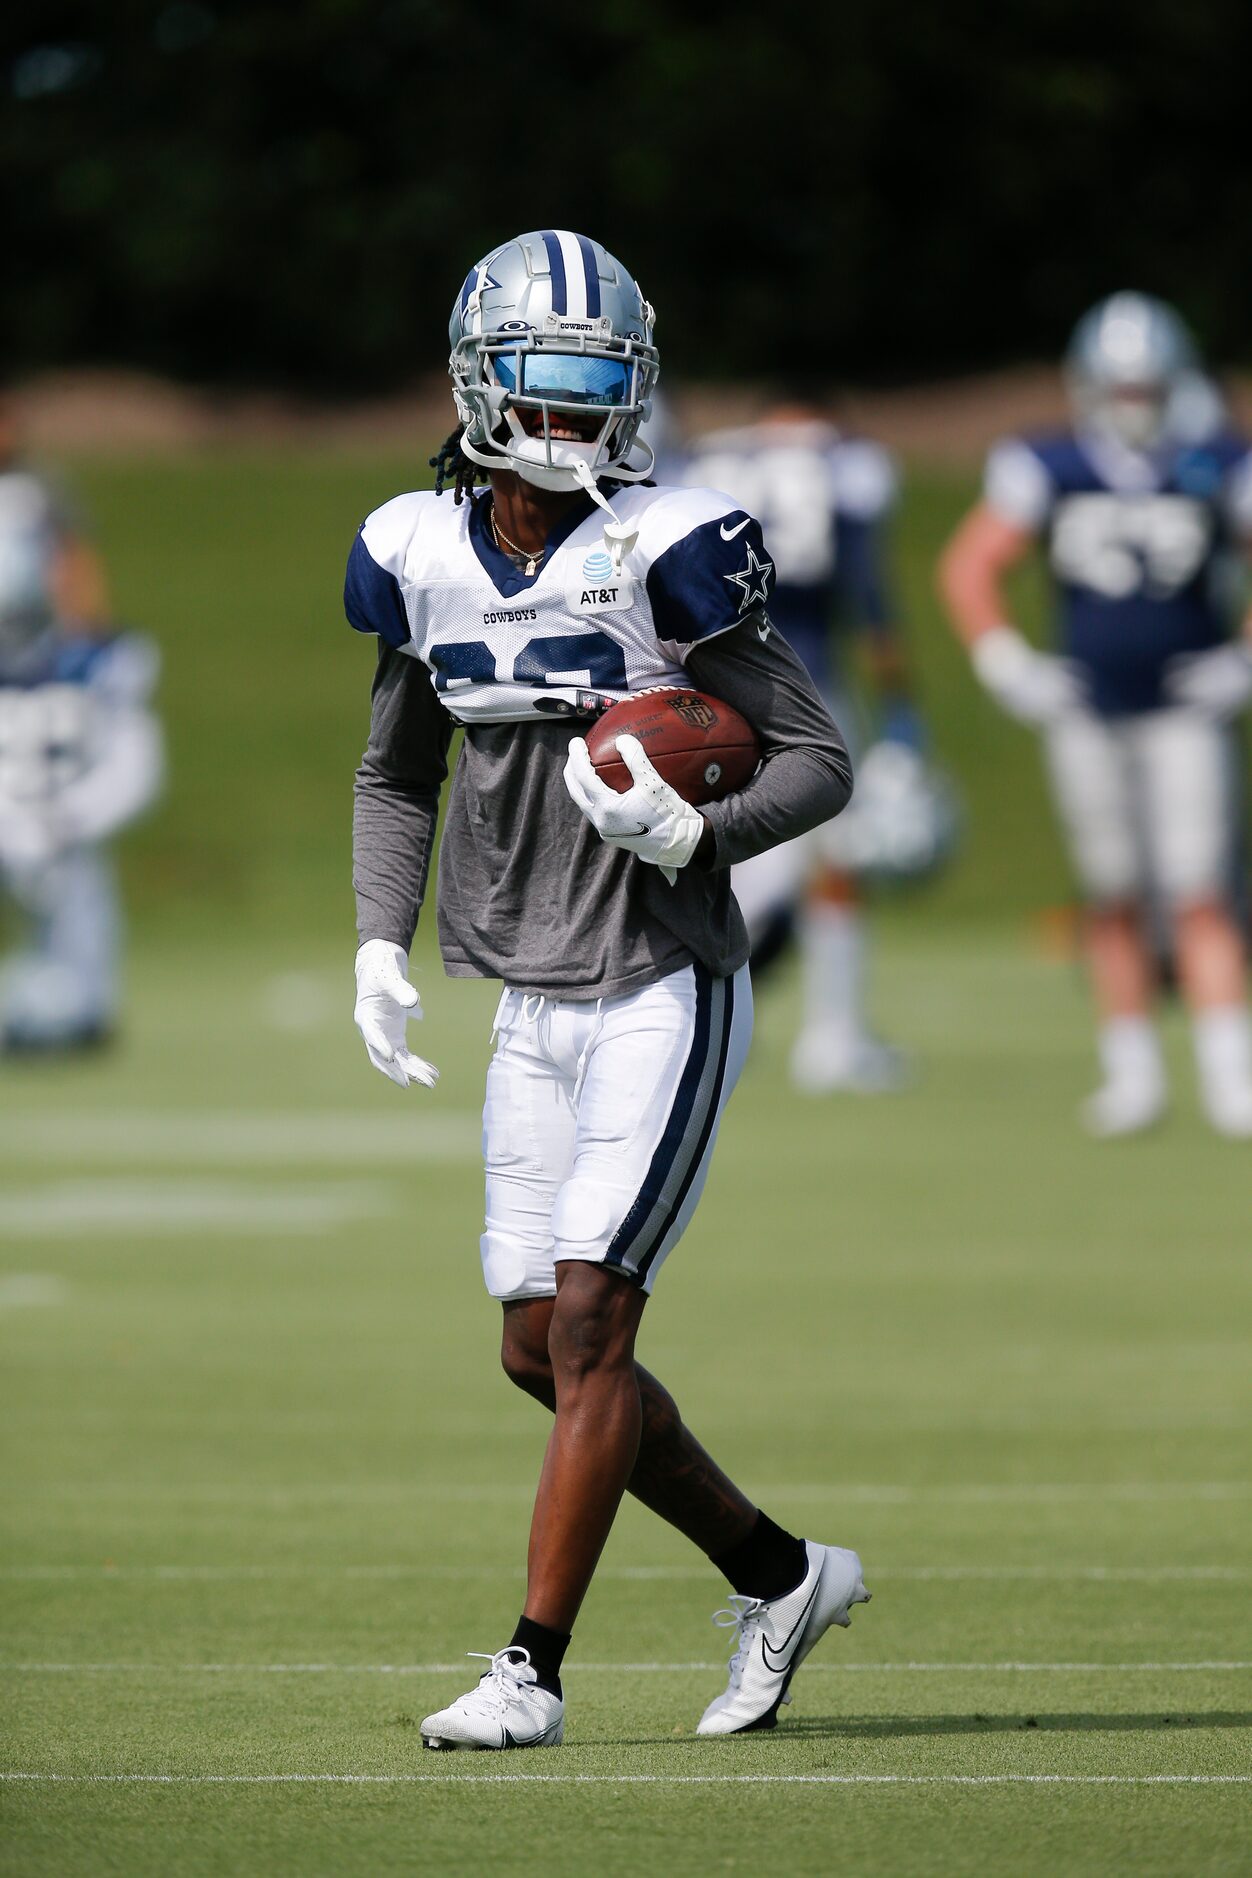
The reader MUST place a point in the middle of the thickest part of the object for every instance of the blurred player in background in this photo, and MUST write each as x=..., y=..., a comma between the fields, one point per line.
x=80, y=756
x=1144, y=510
x=823, y=500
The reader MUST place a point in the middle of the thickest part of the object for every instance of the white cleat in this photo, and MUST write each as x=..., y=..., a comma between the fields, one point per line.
x=772, y=1639
x=508, y=1709
x=1123, y=1108
x=826, y=1064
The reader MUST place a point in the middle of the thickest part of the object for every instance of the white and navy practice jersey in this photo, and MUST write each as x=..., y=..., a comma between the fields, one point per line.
x=75, y=728
x=426, y=575
x=1143, y=549
x=32, y=521
x=822, y=499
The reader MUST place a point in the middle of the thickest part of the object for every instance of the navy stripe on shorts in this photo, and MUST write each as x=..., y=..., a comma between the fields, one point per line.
x=685, y=1137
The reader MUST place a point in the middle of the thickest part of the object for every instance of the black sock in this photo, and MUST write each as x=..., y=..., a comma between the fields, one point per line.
x=546, y=1649
x=767, y=1564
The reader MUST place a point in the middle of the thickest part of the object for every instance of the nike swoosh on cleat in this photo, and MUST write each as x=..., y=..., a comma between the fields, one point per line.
x=794, y=1632
x=728, y=534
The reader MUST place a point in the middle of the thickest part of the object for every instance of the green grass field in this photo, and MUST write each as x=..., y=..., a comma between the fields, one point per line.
x=266, y=1483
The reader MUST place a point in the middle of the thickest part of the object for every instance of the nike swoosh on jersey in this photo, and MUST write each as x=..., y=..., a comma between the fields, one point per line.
x=728, y=534
x=785, y=1659
x=762, y=632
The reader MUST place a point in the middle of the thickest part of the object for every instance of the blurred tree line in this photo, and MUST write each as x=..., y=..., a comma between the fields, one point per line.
x=291, y=194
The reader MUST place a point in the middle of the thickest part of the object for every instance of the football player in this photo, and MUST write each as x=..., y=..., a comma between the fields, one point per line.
x=823, y=500
x=624, y=1019
x=1144, y=511
x=80, y=756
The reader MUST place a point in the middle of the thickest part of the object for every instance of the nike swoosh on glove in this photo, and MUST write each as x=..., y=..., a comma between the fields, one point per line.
x=385, y=1001
x=1218, y=682
x=1034, y=687
x=650, y=819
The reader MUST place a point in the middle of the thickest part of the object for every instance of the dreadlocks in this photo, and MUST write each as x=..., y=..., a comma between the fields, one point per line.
x=450, y=456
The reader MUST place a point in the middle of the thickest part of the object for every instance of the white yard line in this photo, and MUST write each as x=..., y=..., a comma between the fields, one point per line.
x=1008, y=1493
x=20, y=1291
x=98, y=1209
x=607, y=1669
x=644, y=1780
x=239, y=1137
x=1060, y=1574
x=834, y=1493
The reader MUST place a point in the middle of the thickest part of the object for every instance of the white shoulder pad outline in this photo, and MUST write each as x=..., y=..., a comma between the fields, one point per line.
x=389, y=532
x=665, y=516
x=1016, y=484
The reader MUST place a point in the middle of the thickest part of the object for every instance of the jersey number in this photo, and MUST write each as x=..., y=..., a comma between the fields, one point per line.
x=1119, y=546
x=590, y=659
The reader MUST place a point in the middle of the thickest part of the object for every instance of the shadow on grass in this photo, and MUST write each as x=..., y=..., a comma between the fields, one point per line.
x=902, y=1727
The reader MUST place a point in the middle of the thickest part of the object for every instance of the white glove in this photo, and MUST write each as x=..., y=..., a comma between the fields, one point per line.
x=650, y=819
x=1034, y=687
x=385, y=1001
x=1218, y=682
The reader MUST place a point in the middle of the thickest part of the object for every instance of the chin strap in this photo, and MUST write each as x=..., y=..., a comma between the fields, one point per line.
x=619, y=537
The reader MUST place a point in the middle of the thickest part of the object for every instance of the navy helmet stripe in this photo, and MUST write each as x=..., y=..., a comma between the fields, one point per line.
x=652, y=1204
x=556, y=267
x=711, y=1111
x=592, y=273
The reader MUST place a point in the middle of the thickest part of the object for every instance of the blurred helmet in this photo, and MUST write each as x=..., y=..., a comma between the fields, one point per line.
x=1128, y=360
x=552, y=363
x=902, y=821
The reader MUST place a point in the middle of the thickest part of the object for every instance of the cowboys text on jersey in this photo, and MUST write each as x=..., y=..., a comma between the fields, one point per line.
x=502, y=644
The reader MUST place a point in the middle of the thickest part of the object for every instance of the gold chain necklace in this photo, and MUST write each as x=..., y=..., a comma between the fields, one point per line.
x=502, y=541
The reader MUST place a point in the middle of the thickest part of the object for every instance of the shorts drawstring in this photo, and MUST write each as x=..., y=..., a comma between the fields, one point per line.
x=584, y=1055
x=531, y=1008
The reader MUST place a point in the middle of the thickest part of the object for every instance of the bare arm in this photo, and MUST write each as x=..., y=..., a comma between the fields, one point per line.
x=972, y=569
x=1034, y=687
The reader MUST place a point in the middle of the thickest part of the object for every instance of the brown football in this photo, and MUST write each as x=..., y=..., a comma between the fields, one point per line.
x=702, y=747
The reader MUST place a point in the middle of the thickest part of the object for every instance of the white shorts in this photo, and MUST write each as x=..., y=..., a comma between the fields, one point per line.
x=599, y=1125
x=1147, y=803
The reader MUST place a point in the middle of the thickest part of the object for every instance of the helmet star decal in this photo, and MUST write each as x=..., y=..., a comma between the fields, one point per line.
x=752, y=580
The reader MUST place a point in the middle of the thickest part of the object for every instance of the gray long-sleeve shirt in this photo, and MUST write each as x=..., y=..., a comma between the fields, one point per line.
x=527, y=890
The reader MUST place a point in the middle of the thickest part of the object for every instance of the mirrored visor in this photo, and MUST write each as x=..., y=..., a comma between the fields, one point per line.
x=565, y=377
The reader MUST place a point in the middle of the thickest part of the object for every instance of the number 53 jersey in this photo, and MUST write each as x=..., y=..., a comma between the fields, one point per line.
x=503, y=643
x=1144, y=550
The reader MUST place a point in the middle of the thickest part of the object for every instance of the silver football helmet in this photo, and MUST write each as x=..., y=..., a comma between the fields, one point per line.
x=552, y=363
x=1127, y=367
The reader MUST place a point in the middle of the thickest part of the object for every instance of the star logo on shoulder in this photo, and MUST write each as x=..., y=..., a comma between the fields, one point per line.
x=752, y=580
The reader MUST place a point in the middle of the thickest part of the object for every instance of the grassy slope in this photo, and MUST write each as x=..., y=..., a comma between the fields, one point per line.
x=948, y=1331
